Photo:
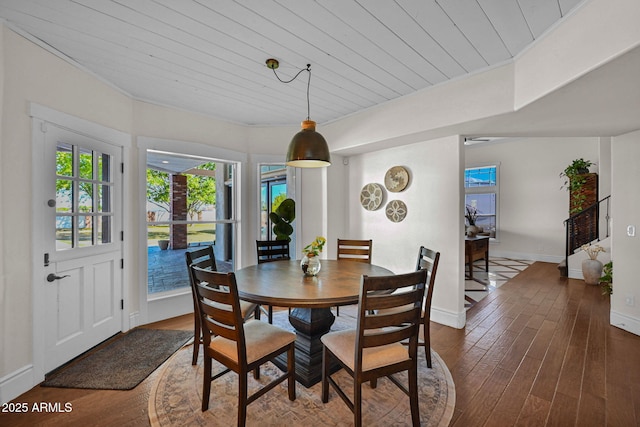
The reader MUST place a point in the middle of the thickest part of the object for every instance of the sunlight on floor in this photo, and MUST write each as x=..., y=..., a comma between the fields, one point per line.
x=483, y=282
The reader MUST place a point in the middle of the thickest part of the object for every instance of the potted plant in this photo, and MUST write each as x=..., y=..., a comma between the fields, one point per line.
x=310, y=263
x=282, y=218
x=471, y=214
x=575, y=178
x=607, y=278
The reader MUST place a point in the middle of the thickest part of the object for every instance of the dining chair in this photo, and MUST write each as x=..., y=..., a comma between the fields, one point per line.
x=428, y=260
x=374, y=349
x=270, y=251
x=204, y=258
x=354, y=250
x=240, y=346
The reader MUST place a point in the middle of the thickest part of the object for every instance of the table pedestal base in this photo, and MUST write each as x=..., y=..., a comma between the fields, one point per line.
x=310, y=324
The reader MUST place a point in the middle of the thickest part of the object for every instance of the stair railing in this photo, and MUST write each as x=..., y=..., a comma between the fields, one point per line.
x=584, y=227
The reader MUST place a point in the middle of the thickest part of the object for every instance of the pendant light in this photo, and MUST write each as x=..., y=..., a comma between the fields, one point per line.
x=307, y=149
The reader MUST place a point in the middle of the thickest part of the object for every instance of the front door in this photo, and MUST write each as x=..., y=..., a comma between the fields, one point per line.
x=82, y=248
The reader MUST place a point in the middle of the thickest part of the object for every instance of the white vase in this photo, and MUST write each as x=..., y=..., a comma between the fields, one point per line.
x=310, y=265
x=591, y=271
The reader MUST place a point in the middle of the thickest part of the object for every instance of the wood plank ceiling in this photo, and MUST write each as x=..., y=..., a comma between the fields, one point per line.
x=208, y=56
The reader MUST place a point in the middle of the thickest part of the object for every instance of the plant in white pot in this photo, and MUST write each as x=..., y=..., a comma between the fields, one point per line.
x=471, y=214
x=592, y=267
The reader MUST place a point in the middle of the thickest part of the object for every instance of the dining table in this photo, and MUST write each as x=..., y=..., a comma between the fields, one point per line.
x=283, y=284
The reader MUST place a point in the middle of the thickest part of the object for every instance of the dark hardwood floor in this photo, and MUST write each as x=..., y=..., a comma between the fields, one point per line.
x=537, y=351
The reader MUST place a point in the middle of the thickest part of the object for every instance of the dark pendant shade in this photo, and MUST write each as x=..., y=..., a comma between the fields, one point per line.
x=308, y=149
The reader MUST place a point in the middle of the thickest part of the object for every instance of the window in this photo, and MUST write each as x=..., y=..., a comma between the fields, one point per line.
x=481, y=194
x=190, y=204
x=83, y=197
x=273, y=190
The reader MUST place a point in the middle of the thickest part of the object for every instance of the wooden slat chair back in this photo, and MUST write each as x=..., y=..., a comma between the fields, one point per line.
x=204, y=258
x=381, y=335
x=240, y=346
x=270, y=251
x=355, y=250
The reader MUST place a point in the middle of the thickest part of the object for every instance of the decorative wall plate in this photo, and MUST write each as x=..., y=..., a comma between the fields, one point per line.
x=396, y=210
x=371, y=196
x=396, y=179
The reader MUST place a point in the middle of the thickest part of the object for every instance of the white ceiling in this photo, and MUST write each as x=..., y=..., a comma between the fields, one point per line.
x=208, y=56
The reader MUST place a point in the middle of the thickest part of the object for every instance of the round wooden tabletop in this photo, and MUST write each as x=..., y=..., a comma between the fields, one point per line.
x=282, y=283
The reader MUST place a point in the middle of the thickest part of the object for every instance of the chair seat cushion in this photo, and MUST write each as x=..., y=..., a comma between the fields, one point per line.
x=343, y=345
x=247, y=308
x=261, y=338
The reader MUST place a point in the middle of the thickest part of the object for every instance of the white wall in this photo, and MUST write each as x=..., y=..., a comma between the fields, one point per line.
x=532, y=207
x=434, y=219
x=625, y=152
x=31, y=74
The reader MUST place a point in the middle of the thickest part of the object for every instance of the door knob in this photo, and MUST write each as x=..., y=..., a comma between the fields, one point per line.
x=51, y=277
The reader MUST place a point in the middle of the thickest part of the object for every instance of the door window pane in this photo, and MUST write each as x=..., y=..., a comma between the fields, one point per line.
x=64, y=195
x=64, y=159
x=85, y=201
x=85, y=229
x=64, y=237
x=86, y=163
x=83, y=189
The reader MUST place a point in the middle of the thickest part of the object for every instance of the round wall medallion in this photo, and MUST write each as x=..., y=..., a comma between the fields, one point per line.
x=396, y=179
x=371, y=196
x=396, y=210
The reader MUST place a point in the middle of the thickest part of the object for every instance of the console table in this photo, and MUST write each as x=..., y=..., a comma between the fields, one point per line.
x=476, y=248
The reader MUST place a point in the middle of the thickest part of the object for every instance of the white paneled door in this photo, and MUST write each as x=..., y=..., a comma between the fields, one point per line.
x=82, y=248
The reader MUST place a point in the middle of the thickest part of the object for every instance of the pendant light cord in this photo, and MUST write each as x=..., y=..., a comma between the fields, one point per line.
x=308, y=69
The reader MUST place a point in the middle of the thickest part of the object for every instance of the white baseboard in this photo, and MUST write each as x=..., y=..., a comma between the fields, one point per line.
x=575, y=274
x=16, y=383
x=134, y=319
x=449, y=318
x=623, y=321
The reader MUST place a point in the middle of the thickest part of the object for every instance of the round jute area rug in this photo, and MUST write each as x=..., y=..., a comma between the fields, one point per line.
x=175, y=399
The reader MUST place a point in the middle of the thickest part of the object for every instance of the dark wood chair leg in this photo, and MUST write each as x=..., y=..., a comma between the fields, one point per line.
x=325, y=373
x=242, y=399
x=427, y=342
x=196, y=339
x=413, y=395
x=291, y=369
x=357, y=404
x=206, y=384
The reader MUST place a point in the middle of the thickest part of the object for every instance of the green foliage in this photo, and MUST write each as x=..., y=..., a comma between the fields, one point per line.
x=201, y=190
x=158, y=188
x=277, y=200
x=64, y=167
x=607, y=278
x=282, y=218
x=574, y=180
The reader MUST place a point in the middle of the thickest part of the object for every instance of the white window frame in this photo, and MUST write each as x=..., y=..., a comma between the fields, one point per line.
x=488, y=189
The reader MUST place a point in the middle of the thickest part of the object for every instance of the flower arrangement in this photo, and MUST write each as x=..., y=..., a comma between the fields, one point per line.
x=592, y=251
x=471, y=214
x=315, y=247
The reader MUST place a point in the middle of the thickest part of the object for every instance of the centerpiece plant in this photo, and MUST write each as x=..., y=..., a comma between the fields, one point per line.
x=310, y=263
